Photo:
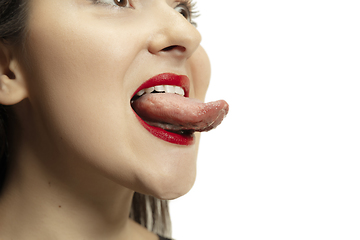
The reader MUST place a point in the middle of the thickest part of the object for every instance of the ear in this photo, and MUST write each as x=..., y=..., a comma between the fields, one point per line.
x=12, y=85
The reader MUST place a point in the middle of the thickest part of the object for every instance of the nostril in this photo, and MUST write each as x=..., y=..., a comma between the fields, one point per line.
x=174, y=47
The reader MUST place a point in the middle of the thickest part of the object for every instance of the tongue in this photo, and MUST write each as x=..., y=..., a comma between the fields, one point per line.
x=176, y=113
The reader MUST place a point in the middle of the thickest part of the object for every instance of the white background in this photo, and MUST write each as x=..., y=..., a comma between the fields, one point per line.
x=285, y=162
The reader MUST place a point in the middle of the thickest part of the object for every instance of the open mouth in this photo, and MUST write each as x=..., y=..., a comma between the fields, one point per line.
x=166, y=83
x=163, y=107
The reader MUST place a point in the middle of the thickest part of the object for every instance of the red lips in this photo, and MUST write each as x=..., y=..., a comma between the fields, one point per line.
x=173, y=117
x=167, y=79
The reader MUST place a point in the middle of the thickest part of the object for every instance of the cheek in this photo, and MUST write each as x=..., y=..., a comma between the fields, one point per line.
x=75, y=68
x=201, y=72
x=76, y=85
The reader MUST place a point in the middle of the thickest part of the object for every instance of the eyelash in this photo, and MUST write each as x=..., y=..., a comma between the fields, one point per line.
x=190, y=6
x=102, y=2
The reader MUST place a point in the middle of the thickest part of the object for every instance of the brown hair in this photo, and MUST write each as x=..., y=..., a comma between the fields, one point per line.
x=148, y=211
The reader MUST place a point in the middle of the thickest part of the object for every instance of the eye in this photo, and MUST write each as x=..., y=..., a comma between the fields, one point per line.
x=184, y=10
x=122, y=3
x=187, y=9
x=114, y=3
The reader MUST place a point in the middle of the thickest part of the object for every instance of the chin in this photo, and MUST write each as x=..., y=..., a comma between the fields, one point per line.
x=168, y=187
x=171, y=179
x=169, y=190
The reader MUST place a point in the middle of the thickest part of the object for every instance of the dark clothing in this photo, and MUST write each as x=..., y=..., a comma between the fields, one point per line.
x=162, y=238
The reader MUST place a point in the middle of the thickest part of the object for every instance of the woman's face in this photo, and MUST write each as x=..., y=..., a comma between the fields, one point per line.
x=85, y=59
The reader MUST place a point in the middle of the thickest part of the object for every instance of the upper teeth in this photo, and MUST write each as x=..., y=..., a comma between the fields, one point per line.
x=162, y=89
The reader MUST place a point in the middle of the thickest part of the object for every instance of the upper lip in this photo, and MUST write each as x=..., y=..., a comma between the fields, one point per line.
x=167, y=79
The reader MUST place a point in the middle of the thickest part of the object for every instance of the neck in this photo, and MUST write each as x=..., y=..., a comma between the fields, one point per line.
x=42, y=199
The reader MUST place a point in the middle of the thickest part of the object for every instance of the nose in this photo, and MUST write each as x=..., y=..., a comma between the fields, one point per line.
x=173, y=34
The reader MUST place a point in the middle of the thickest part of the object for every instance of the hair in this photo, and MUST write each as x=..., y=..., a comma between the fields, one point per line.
x=148, y=211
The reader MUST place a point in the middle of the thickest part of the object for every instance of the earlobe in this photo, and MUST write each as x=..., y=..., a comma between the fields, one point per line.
x=11, y=92
x=12, y=85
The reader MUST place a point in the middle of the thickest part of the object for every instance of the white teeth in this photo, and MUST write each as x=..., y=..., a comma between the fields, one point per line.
x=169, y=89
x=179, y=90
x=141, y=92
x=162, y=88
x=149, y=90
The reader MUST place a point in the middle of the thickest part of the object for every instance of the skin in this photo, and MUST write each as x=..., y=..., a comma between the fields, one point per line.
x=78, y=152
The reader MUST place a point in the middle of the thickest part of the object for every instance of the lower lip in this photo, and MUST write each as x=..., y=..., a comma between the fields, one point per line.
x=185, y=140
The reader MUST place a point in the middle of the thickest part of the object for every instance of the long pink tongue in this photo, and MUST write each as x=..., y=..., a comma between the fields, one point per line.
x=175, y=113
